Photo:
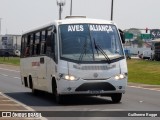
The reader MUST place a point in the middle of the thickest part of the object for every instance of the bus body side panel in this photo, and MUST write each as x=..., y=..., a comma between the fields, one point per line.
x=38, y=71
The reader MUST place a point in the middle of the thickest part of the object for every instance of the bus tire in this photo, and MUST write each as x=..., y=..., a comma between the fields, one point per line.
x=58, y=97
x=34, y=91
x=116, y=97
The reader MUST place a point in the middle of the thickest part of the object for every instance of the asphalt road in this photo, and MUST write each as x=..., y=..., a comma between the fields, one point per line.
x=135, y=99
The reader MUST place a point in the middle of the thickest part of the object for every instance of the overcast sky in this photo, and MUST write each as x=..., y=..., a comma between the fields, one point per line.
x=21, y=15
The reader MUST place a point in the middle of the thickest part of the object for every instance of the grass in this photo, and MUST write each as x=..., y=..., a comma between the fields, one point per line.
x=144, y=71
x=10, y=60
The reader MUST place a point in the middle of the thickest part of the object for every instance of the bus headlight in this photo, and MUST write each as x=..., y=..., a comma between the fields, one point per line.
x=72, y=78
x=68, y=77
x=119, y=77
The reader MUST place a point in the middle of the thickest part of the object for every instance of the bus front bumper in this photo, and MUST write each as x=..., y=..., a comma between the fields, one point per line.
x=92, y=87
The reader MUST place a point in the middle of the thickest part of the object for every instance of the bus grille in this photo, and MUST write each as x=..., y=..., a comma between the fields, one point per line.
x=97, y=86
x=94, y=67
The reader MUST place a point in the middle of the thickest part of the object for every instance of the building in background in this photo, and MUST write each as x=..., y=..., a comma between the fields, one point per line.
x=137, y=40
x=9, y=44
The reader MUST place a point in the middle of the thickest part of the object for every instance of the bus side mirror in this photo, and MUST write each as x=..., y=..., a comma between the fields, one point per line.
x=122, y=35
x=54, y=29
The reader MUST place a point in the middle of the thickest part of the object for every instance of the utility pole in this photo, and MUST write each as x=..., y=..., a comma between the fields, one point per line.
x=60, y=3
x=16, y=42
x=71, y=9
x=0, y=31
x=0, y=27
x=112, y=10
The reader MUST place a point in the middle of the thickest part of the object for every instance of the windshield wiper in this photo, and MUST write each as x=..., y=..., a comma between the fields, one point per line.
x=83, y=51
x=97, y=47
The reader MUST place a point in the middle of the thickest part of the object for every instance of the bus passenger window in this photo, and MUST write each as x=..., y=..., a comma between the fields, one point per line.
x=22, y=46
x=48, y=42
x=27, y=46
x=27, y=51
x=43, y=48
x=37, y=44
x=32, y=41
x=37, y=49
x=43, y=42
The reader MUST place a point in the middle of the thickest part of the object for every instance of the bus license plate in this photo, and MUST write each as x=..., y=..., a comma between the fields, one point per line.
x=95, y=92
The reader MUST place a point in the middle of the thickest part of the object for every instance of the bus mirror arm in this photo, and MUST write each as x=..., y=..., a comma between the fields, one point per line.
x=122, y=35
x=54, y=30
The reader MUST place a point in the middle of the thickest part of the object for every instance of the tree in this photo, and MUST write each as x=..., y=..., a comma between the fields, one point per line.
x=136, y=32
x=136, y=36
x=139, y=41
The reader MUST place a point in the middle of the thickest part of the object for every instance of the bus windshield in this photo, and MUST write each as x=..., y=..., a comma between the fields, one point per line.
x=89, y=42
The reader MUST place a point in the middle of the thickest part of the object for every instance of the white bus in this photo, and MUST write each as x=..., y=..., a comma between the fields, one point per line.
x=77, y=56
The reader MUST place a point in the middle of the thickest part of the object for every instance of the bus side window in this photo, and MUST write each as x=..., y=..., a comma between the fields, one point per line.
x=23, y=46
x=48, y=42
x=27, y=51
x=37, y=44
x=43, y=42
x=32, y=42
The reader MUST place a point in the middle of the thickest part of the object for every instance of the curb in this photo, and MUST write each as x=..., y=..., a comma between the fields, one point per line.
x=143, y=85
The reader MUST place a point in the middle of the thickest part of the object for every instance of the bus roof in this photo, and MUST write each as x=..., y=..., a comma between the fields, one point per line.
x=83, y=20
x=73, y=20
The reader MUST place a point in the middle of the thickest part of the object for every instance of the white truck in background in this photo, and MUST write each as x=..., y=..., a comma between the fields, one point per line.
x=147, y=54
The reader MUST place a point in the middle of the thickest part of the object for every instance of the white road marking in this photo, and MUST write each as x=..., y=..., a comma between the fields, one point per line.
x=17, y=77
x=6, y=100
x=3, y=74
x=9, y=70
x=10, y=104
x=10, y=76
x=154, y=89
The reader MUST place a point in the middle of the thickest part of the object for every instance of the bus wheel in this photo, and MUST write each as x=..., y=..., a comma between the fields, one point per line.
x=58, y=97
x=34, y=91
x=116, y=98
